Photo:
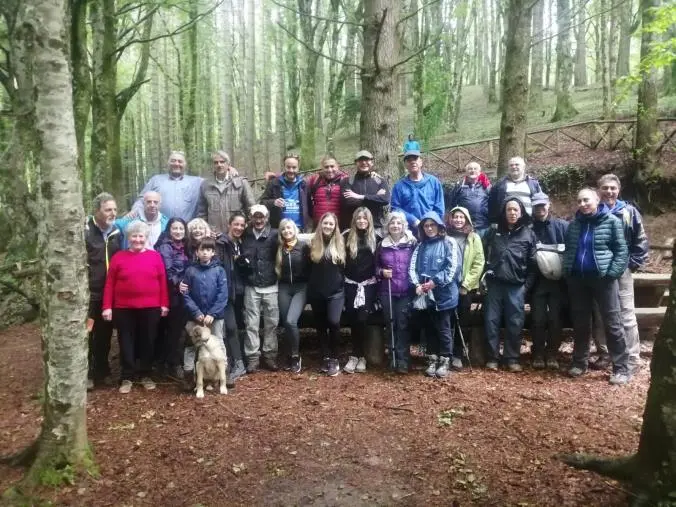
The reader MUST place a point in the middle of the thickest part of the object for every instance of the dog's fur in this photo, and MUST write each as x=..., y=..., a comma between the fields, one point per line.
x=211, y=360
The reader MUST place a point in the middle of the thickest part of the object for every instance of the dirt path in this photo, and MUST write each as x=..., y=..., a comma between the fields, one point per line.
x=375, y=439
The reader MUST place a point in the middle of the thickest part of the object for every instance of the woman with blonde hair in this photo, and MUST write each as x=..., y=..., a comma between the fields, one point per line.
x=360, y=283
x=198, y=229
x=292, y=265
x=325, y=288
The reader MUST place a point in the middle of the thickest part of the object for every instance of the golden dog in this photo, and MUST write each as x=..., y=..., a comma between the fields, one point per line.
x=211, y=359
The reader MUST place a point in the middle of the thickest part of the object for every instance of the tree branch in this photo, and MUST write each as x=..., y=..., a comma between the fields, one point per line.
x=124, y=96
x=413, y=55
x=15, y=288
x=320, y=18
x=414, y=13
x=377, y=42
x=309, y=48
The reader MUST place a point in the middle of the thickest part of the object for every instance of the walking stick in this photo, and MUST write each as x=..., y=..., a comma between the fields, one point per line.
x=389, y=293
x=462, y=340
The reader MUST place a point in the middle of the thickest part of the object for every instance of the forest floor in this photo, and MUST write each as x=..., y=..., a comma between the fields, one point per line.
x=477, y=438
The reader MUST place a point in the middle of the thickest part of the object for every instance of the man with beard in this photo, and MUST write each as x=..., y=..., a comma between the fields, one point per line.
x=285, y=196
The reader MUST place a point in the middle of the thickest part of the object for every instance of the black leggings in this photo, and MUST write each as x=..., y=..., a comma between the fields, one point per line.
x=136, y=333
x=326, y=312
x=232, y=343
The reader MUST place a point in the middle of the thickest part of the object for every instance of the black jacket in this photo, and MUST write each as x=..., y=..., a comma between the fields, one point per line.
x=228, y=253
x=295, y=266
x=260, y=254
x=368, y=185
x=510, y=254
x=551, y=231
x=326, y=279
x=273, y=191
x=99, y=253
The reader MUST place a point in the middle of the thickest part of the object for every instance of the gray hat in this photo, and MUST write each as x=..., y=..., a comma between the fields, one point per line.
x=539, y=198
x=411, y=153
x=363, y=154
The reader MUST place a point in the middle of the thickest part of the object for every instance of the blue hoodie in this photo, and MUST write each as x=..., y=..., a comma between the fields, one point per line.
x=415, y=198
x=292, y=200
x=634, y=233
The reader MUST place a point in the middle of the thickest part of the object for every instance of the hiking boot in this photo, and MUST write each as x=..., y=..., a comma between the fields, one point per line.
x=334, y=368
x=188, y=382
x=492, y=365
x=576, y=371
x=125, y=387
x=148, y=383
x=252, y=365
x=539, y=363
x=324, y=366
x=602, y=363
x=442, y=367
x=456, y=364
x=238, y=370
x=619, y=379
x=361, y=365
x=351, y=364
x=295, y=364
x=431, y=370
x=552, y=364
x=514, y=368
x=270, y=364
x=176, y=373
x=402, y=369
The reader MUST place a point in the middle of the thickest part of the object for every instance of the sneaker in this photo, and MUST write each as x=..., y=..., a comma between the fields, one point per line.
x=295, y=364
x=619, y=379
x=539, y=363
x=90, y=384
x=270, y=364
x=634, y=368
x=361, y=365
x=442, y=367
x=431, y=370
x=125, y=387
x=324, y=366
x=252, y=365
x=514, y=368
x=148, y=383
x=552, y=364
x=351, y=364
x=602, y=363
x=456, y=364
x=238, y=370
x=576, y=371
x=492, y=365
x=334, y=368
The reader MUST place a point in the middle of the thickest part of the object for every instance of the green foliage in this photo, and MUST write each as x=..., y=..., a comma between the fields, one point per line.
x=563, y=180
x=446, y=417
x=16, y=498
x=436, y=99
x=57, y=476
x=351, y=110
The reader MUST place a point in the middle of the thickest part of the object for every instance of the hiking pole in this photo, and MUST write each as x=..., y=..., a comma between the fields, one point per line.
x=389, y=293
x=462, y=340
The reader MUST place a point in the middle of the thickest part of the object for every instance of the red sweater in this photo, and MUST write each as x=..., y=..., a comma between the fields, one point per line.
x=136, y=280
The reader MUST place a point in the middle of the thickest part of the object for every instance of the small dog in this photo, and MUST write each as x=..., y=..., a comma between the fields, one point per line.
x=211, y=359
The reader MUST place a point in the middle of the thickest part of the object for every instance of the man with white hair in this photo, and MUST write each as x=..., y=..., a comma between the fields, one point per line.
x=180, y=192
x=516, y=184
x=150, y=215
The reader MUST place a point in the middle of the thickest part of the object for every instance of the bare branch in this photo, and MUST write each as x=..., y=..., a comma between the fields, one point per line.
x=416, y=53
x=309, y=48
x=320, y=18
x=409, y=16
x=377, y=42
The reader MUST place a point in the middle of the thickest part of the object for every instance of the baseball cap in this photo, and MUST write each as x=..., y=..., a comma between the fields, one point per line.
x=363, y=154
x=411, y=153
x=539, y=198
x=258, y=208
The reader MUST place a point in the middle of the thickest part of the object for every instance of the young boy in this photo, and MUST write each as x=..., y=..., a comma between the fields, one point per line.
x=205, y=299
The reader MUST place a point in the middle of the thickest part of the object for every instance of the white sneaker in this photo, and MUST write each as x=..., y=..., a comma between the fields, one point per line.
x=351, y=364
x=125, y=387
x=361, y=365
x=148, y=383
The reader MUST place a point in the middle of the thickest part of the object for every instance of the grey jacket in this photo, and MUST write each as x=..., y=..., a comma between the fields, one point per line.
x=216, y=207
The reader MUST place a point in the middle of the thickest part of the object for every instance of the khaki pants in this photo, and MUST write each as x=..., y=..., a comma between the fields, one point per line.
x=256, y=303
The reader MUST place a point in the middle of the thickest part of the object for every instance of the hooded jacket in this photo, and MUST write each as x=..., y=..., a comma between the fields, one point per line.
x=634, y=233
x=595, y=246
x=498, y=194
x=416, y=198
x=207, y=290
x=295, y=267
x=217, y=203
x=275, y=190
x=100, y=249
x=473, y=197
x=367, y=184
x=324, y=196
x=397, y=257
x=228, y=253
x=510, y=253
x=437, y=259
x=473, y=254
x=260, y=254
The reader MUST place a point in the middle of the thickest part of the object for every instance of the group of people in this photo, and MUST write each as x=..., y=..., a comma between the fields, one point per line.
x=199, y=251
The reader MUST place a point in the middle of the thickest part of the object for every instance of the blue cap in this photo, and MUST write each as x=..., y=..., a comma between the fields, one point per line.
x=411, y=153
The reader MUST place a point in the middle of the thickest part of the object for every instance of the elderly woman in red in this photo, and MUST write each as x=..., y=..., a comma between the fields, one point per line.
x=136, y=296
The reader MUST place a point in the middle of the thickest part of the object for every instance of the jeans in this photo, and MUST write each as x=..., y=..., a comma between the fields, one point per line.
x=628, y=317
x=256, y=303
x=504, y=300
x=439, y=326
x=291, y=300
x=604, y=291
x=190, y=351
x=399, y=325
x=99, y=342
x=326, y=312
x=546, y=307
x=136, y=333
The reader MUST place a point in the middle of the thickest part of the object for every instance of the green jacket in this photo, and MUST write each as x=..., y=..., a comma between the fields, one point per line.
x=473, y=258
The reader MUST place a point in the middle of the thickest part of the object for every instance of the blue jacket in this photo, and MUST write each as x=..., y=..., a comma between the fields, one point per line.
x=499, y=192
x=207, y=290
x=437, y=259
x=415, y=198
x=634, y=233
x=176, y=262
x=474, y=198
x=595, y=246
x=124, y=222
x=550, y=231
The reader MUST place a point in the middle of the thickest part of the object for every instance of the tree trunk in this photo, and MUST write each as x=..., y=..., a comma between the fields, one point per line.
x=564, y=65
x=250, y=110
x=605, y=75
x=580, y=32
x=515, y=84
x=82, y=83
x=613, y=38
x=293, y=77
x=280, y=103
x=63, y=438
x=536, y=55
x=624, y=43
x=462, y=12
x=379, y=122
x=495, y=40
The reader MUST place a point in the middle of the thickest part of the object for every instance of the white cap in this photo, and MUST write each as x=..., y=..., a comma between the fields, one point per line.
x=258, y=208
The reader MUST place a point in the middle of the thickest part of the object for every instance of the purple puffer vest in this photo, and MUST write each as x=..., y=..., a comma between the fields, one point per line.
x=396, y=257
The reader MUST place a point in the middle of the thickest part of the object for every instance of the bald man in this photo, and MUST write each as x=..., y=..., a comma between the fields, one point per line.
x=149, y=214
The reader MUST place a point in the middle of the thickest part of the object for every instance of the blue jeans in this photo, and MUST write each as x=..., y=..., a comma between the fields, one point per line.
x=504, y=299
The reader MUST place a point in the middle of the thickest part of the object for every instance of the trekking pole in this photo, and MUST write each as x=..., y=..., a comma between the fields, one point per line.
x=462, y=340
x=389, y=293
